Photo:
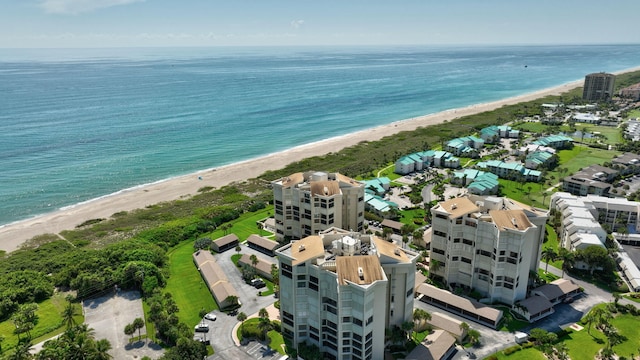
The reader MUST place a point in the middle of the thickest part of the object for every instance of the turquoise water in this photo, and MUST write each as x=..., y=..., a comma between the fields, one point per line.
x=80, y=124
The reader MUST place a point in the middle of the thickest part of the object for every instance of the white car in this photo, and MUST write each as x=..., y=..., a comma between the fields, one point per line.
x=211, y=316
x=202, y=328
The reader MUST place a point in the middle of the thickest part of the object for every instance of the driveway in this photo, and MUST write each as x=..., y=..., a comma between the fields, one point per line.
x=108, y=315
x=221, y=330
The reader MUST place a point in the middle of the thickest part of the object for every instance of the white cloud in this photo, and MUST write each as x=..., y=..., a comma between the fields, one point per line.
x=80, y=6
x=296, y=24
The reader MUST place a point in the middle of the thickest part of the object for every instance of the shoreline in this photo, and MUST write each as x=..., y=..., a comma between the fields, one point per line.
x=14, y=234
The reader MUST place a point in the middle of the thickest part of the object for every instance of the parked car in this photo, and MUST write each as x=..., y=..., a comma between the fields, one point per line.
x=202, y=328
x=211, y=316
x=258, y=283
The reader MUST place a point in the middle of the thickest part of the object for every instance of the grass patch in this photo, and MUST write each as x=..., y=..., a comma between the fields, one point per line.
x=276, y=341
x=187, y=286
x=548, y=277
x=49, y=323
x=524, y=354
x=635, y=113
x=509, y=322
x=552, y=243
x=414, y=217
x=632, y=298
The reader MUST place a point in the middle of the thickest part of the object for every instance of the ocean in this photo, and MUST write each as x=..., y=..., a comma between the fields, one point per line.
x=78, y=124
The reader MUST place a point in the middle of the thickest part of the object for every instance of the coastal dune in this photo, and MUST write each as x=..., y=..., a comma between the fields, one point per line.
x=15, y=234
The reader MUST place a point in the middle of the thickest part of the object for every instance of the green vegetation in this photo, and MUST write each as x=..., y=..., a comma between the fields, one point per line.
x=633, y=114
x=50, y=321
x=185, y=283
x=510, y=322
x=524, y=354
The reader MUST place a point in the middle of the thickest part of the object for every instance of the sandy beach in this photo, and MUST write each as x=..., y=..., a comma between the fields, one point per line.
x=13, y=235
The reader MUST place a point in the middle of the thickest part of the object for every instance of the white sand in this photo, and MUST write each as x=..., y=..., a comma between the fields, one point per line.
x=13, y=235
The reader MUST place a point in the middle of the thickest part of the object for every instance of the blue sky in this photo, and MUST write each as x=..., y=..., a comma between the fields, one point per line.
x=124, y=23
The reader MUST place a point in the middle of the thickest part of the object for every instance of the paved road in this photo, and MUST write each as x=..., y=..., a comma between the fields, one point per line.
x=221, y=330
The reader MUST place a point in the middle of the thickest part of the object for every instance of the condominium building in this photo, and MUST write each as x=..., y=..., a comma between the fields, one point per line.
x=487, y=243
x=598, y=86
x=306, y=203
x=340, y=290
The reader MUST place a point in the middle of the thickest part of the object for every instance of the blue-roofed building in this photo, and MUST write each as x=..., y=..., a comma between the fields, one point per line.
x=377, y=205
x=492, y=134
x=377, y=186
x=485, y=184
x=538, y=159
x=555, y=141
x=468, y=146
x=465, y=177
x=405, y=165
x=510, y=170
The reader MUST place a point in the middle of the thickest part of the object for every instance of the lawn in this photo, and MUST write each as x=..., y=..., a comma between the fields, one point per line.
x=187, y=286
x=524, y=354
x=581, y=156
x=635, y=113
x=509, y=322
x=275, y=338
x=552, y=243
x=246, y=225
x=414, y=217
x=528, y=193
x=49, y=323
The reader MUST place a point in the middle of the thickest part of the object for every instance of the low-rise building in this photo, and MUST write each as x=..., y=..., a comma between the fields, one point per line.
x=510, y=170
x=225, y=243
x=539, y=159
x=555, y=141
x=594, y=179
x=223, y=292
x=492, y=134
x=468, y=146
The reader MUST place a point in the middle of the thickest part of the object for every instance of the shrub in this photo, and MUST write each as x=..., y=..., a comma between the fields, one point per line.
x=512, y=349
x=492, y=357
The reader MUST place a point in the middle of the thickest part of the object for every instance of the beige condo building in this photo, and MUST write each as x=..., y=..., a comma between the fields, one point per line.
x=598, y=86
x=306, y=203
x=340, y=290
x=487, y=243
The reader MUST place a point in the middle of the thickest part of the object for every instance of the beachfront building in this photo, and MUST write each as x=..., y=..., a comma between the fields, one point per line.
x=594, y=179
x=216, y=280
x=477, y=182
x=423, y=159
x=487, y=243
x=510, y=170
x=378, y=205
x=468, y=146
x=598, y=86
x=492, y=134
x=555, y=141
x=377, y=186
x=340, y=290
x=306, y=203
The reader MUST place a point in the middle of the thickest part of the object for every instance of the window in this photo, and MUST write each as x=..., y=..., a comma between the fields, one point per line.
x=455, y=258
x=467, y=242
x=465, y=260
x=438, y=251
x=346, y=319
x=410, y=292
x=357, y=321
x=370, y=320
x=441, y=216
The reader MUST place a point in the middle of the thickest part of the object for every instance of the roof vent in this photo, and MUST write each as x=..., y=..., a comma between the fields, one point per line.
x=514, y=222
x=301, y=248
x=397, y=251
x=454, y=206
x=360, y=273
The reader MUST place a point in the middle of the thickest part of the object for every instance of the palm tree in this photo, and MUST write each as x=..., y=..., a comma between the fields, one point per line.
x=407, y=328
x=241, y=317
x=568, y=259
x=102, y=349
x=544, y=196
x=254, y=261
x=434, y=266
x=68, y=313
x=238, y=249
x=21, y=351
x=263, y=314
x=474, y=336
x=129, y=330
x=548, y=255
x=420, y=316
x=464, y=327
x=138, y=324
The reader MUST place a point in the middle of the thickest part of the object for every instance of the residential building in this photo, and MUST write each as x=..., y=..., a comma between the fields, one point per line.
x=530, y=148
x=631, y=92
x=594, y=179
x=587, y=118
x=555, y=141
x=586, y=215
x=489, y=244
x=598, y=86
x=306, y=203
x=492, y=134
x=510, y=170
x=632, y=132
x=538, y=159
x=378, y=205
x=628, y=163
x=223, y=292
x=477, y=182
x=340, y=290
x=468, y=146
x=225, y=243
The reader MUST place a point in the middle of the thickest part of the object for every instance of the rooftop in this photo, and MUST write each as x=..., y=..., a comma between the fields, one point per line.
x=510, y=219
x=361, y=270
x=457, y=207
